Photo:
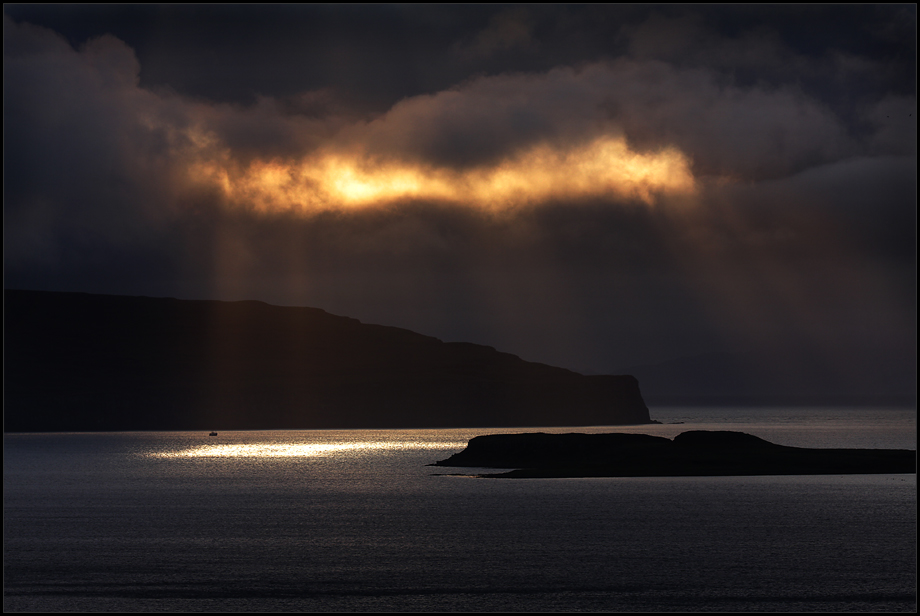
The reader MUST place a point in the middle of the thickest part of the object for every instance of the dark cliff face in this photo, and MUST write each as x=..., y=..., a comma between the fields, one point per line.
x=94, y=362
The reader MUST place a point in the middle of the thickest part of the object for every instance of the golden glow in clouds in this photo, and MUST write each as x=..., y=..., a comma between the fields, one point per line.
x=329, y=180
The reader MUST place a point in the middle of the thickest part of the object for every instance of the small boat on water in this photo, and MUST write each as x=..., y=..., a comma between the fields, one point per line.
x=213, y=434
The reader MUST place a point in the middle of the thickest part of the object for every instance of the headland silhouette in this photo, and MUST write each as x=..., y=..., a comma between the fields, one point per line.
x=82, y=362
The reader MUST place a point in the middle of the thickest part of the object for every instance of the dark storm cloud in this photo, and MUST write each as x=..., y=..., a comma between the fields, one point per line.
x=72, y=139
x=803, y=150
x=383, y=53
x=371, y=55
x=725, y=85
x=750, y=132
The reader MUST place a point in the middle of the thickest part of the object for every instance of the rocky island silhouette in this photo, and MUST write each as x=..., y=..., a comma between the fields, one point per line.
x=694, y=453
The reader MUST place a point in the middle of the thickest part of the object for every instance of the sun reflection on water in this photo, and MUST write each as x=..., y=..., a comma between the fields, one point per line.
x=297, y=450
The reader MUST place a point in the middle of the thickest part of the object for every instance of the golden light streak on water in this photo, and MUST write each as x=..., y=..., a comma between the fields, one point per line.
x=605, y=167
x=296, y=450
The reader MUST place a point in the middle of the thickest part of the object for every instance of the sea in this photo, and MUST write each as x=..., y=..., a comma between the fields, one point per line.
x=356, y=520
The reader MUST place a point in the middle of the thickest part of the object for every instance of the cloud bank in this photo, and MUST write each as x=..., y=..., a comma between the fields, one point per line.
x=695, y=190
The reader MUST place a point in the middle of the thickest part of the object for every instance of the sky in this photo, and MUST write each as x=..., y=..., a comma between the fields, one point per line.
x=589, y=186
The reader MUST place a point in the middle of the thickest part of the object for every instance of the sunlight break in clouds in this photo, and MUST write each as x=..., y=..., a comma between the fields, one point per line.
x=604, y=167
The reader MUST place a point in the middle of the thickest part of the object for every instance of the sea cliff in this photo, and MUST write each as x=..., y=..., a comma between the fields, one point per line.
x=81, y=362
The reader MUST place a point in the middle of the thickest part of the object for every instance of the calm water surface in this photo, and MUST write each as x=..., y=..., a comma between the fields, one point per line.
x=354, y=520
